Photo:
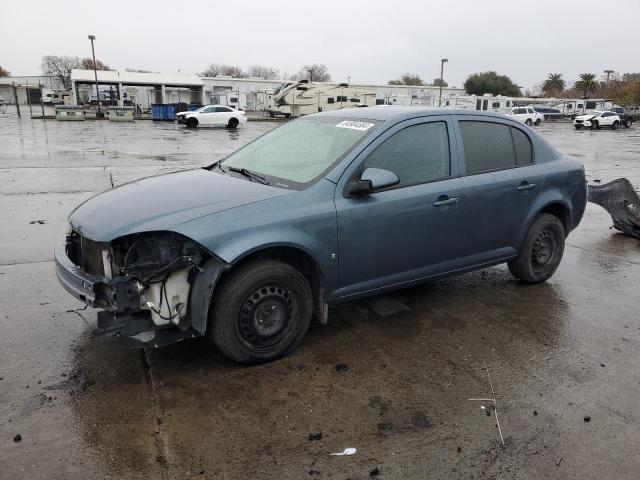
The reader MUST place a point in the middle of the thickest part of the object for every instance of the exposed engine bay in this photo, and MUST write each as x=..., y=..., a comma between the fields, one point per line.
x=146, y=280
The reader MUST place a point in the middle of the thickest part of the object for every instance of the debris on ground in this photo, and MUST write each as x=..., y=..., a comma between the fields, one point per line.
x=493, y=399
x=314, y=437
x=345, y=452
x=558, y=462
x=587, y=418
x=39, y=222
x=342, y=367
x=385, y=428
x=375, y=472
x=459, y=449
x=621, y=201
x=17, y=438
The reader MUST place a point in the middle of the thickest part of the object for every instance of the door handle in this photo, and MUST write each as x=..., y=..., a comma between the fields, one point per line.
x=444, y=201
x=526, y=186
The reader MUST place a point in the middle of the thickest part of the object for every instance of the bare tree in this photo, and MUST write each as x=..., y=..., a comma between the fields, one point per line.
x=314, y=73
x=87, y=64
x=437, y=81
x=259, y=71
x=4, y=73
x=218, y=70
x=137, y=70
x=60, y=67
x=408, y=79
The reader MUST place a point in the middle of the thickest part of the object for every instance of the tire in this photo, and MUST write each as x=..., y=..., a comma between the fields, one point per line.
x=541, y=251
x=595, y=126
x=266, y=291
x=538, y=121
x=627, y=123
x=191, y=122
x=528, y=122
x=578, y=127
x=233, y=123
x=615, y=125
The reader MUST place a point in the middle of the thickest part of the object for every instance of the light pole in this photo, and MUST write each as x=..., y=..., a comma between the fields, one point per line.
x=348, y=80
x=95, y=73
x=442, y=62
x=608, y=72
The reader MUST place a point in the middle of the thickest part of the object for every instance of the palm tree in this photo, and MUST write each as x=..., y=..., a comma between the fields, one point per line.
x=587, y=83
x=554, y=84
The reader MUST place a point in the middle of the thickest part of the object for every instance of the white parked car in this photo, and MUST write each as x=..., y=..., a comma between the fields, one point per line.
x=597, y=120
x=526, y=115
x=212, y=115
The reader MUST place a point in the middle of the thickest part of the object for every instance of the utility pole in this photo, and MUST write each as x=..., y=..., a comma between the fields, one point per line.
x=442, y=62
x=608, y=72
x=99, y=114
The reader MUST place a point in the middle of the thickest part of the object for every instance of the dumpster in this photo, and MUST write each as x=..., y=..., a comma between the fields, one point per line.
x=70, y=112
x=163, y=111
x=121, y=114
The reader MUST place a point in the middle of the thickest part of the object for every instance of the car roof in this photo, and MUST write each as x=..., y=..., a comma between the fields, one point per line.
x=396, y=113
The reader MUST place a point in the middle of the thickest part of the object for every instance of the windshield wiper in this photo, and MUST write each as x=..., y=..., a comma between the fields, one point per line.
x=249, y=174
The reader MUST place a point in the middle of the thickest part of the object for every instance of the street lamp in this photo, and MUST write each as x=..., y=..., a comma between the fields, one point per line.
x=608, y=72
x=442, y=62
x=95, y=73
x=348, y=80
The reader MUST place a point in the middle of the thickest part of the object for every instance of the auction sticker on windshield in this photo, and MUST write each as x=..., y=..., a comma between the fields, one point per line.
x=355, y=125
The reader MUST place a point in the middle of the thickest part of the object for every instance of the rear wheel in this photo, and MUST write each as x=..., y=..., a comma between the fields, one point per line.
x=538, y=121
x=262, y=311
x=233, y=123
x=528, y=122
x=191, y=122
x=541, y=251
x=627, y=123
x=578, y=127
x=614, y=125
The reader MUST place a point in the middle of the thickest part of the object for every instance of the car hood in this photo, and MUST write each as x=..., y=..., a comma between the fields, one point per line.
x=164, y=201
x=585, y=117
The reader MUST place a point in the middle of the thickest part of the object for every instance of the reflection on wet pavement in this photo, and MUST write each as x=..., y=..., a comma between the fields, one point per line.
x=390, y=375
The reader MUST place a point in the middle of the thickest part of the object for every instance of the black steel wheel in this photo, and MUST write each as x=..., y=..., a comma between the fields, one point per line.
x=233, y=123
x=541, y=251
x=261, y=311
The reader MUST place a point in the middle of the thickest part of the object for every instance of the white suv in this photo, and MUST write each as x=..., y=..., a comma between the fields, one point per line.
x=597, y=120
x=526, y=115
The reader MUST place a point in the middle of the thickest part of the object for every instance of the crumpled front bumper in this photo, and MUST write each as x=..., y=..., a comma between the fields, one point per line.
x=80, y=284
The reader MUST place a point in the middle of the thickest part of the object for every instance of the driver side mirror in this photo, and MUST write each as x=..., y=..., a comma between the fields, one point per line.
x=372, y=179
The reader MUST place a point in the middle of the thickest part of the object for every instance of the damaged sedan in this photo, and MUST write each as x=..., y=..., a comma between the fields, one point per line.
x=326, y=208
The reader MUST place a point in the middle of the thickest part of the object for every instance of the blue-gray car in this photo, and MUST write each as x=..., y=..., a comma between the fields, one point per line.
x=326, y=208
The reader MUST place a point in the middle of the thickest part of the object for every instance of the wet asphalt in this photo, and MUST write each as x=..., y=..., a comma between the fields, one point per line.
x=391, y=376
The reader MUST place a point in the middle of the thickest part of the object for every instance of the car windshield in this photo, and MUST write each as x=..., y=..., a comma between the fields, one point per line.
x=301, y=150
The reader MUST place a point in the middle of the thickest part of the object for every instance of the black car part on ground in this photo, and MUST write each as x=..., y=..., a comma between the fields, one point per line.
x=621, y=200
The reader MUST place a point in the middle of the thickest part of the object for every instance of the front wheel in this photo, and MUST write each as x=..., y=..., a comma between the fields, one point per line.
x=538, y=121
x=191, y=122
x=578, y=127
x=233, y=123
x=595, y=125
x=615, y=125
x=261, y=312
x=627, y=123
x=528, y=122
x=541, y=251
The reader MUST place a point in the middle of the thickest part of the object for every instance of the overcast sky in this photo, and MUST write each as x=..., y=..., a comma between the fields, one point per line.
x=370, y=41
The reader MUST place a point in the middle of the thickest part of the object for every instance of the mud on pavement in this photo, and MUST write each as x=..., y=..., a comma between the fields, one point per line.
x=390, y=376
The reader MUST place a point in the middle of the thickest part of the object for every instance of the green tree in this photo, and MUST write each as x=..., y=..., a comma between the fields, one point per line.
x=3, y=72
x=553, y=85
x=587, y=84
x=407, y=79
x=491, y=82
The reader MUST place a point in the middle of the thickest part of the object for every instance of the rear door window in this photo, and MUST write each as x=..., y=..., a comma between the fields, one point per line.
x=416, y=154
x=487, y=146
x=522, y=147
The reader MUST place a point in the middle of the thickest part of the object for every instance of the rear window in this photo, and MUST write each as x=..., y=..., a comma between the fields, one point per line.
x=493, y=146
